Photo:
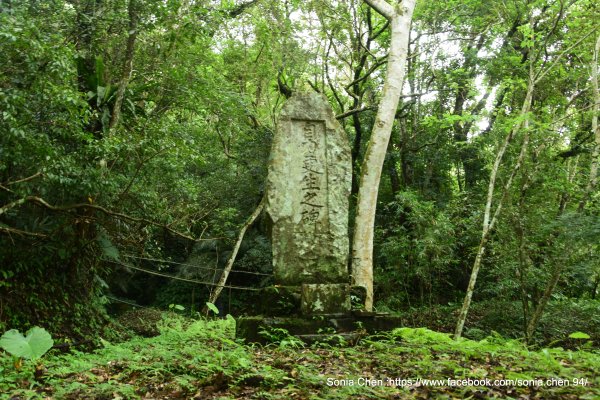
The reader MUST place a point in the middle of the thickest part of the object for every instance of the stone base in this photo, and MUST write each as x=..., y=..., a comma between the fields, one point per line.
x=305, y=300
x=317, y=328
x=325, y=299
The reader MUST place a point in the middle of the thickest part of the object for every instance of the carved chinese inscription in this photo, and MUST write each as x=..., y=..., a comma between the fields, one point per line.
x=307, y=196
x=314, y=179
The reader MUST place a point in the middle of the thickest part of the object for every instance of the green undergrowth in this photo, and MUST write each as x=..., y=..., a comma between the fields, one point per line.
x=201, y=359
x=562, y=317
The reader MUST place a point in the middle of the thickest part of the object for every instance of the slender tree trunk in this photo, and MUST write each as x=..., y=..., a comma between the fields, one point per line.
x=461, y=129
x=519, y=226
x=571, y=172
x=539, y=310
x=127, y=65
x=593, y=179
x=219, y=287
x=355, y=150
x=394, y=178
x=406, y=168
x=399, y=16
x=534, y=79
x=488, y=220
x=524, y=261
x=357, y=91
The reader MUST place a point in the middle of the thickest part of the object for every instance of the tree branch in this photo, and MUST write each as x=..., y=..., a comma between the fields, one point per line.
x=8, y=206
x=24, y=179
x=224, y=144
x=44, y=203
x=7, y=230
x=241, y=8
x=380, y=31
x=542, y=73
x=283, y=87
x=382, y=7
x=378, y=64
x=329, y=83
x=139, y=168
x=352, y=112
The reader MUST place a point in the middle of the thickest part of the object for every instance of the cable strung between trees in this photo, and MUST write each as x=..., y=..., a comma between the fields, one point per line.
x=178, y=278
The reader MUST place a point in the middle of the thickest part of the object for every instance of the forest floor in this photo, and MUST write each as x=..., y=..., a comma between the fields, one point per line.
x=202, y=360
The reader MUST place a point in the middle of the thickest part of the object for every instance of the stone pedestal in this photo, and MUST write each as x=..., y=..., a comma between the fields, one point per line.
x=325, y=299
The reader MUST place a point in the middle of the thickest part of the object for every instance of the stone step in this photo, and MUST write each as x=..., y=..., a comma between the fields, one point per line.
x=250, y=328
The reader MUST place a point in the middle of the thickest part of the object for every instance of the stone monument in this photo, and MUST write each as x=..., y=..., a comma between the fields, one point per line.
x=308, y=186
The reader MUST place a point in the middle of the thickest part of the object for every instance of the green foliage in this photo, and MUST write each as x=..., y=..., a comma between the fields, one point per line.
x=193, y=358
x=417, y=250
x=579, y=335
x=212, y=308
x=563, y=317
x=33, y=346
x=141, y=321
x=281, y=337
x=176, y=307
x=57, y=94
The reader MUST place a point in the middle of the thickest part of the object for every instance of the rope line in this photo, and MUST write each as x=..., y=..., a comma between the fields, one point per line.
x=193, y=266
x=125, y=302
x=180, y=278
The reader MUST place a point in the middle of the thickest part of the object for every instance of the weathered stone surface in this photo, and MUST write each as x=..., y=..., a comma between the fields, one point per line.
x=250, y=328
x=325, y=299
x=308, y=187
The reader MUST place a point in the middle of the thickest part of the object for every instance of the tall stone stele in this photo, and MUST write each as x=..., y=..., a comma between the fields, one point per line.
x=308, y=188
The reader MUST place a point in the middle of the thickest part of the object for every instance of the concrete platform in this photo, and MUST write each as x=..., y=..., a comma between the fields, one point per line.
x=320, y=328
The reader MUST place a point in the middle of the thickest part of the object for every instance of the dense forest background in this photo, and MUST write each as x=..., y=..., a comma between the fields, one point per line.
x=135, y=131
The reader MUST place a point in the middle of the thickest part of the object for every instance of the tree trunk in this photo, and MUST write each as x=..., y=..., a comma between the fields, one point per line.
x=461, y=129
x=399, y=17
x=519, y=227
x=394, y=178
x=524, y=261
x=539, y=310
x=488, y=220
x=127, y=65
x=355, y=150
x=593, y=179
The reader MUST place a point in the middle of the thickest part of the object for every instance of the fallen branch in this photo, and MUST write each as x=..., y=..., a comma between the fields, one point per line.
x=221, y=284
